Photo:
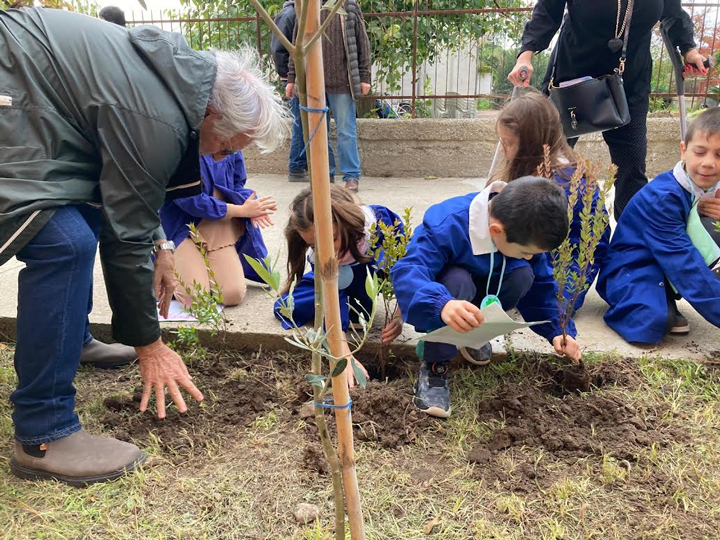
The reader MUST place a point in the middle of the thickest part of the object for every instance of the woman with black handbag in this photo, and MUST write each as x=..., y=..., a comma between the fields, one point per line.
x=605, y=45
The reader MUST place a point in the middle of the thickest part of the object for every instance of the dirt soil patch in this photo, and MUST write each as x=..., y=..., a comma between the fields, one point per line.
x=547, y=410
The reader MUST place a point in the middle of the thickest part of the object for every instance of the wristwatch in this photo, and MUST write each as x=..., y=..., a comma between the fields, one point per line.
x=167, y=244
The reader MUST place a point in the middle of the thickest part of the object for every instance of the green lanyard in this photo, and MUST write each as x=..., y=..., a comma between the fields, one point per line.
x=493, y=298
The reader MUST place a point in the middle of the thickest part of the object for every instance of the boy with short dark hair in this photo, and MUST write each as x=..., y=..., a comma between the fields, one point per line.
x=663, y=249
x=112, y=14
x=472, y=248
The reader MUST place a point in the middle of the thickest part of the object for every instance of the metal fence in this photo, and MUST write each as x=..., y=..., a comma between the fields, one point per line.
x=450, y=62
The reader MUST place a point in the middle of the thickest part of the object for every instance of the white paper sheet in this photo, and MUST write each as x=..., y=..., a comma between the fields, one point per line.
x=497, y=323
x=177, y=313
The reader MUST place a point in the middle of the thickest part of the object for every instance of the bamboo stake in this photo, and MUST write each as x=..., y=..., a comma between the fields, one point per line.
x=328, y=264
x=327, y=444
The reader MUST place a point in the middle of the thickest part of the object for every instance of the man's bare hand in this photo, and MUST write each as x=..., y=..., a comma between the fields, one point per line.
x=164, y=282
x=461, y=316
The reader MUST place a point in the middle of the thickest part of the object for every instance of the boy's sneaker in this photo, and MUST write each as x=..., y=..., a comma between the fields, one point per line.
x=681, y=326
x=298, y=176
x=479, y=357
x=432, y=393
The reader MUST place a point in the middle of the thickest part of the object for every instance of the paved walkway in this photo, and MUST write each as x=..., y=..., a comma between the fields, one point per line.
x=252, y=323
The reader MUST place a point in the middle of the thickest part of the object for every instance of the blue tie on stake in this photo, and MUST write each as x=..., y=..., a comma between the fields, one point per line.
x=322, y=112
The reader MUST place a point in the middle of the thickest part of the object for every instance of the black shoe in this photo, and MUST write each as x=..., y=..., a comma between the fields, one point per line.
x=681, y=326
x=479, y=357
x=298, y=176
x=107, y=356
x=432, y=393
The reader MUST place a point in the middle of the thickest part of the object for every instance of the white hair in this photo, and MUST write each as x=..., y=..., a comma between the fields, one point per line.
x=246, y=101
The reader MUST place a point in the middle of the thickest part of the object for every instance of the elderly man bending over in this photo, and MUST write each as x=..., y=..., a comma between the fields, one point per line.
x=98, y=126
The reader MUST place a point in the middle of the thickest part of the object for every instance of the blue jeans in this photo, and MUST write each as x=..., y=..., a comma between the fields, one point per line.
x=53, y=293
x=463, y=286
x=343, y=110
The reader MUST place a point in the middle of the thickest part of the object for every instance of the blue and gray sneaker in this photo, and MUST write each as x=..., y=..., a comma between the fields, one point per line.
x=432, y=393
x=479, y=357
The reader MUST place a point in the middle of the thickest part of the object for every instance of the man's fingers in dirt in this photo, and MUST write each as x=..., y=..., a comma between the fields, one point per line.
x=176, y=396
x=190, y=388
x=147, y=390
x=160, y=400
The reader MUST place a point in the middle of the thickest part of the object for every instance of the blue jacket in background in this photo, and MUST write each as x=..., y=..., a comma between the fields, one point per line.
x=575, y=229
x=228, y=177
x=443, y=240
x=285, y=21
x=649, y=247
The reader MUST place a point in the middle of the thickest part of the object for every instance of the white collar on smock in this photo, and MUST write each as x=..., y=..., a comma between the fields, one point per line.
x=480, y=238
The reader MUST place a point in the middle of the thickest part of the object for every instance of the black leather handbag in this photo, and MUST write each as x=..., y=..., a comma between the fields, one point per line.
x=598, y=104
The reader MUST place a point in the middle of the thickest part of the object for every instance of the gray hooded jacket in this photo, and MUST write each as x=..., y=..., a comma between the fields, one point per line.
x=91, y=112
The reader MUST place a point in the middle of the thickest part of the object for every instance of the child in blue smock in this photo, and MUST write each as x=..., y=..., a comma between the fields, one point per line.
x=478, y=247
x=228, y=217
x=527, y=125
x=352, y=224
x=664, y=246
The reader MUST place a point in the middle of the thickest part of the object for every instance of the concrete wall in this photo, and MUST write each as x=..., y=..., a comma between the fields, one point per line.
x=457, y=148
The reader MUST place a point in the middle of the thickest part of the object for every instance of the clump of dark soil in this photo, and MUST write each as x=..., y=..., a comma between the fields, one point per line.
x=314, y=460
x=602, y=424
x=382, y=413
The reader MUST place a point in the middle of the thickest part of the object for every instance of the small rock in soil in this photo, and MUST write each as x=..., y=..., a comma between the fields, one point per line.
x=305, y=513
x=307, y=410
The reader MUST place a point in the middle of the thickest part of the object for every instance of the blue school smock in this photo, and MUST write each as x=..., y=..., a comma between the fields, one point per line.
x=443, y=240
x=353, y=295
x=575, y=228
x=649, y=247
x=228, y=177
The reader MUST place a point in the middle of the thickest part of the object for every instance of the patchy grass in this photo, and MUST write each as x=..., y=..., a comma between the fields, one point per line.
x=237, y=466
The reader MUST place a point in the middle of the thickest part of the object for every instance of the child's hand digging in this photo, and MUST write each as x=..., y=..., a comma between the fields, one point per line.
x=461, y=316
x=569, y=347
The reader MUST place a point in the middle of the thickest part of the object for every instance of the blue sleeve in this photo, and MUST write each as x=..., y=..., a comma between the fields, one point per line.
x=664, y=230
x=420, y=297
x=540, y=303
x=203, y=206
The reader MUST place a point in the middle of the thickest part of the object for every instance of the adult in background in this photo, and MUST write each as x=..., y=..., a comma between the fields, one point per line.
x=97, y=129
x=112, y=14
x=346, y=62
x=588, y=46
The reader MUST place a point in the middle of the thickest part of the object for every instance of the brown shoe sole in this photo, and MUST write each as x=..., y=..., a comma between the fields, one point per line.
x=76, y=481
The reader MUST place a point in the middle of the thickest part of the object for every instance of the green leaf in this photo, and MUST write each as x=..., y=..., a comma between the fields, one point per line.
x=297, y=344
x=315, y=380
x=339, y=367
x=269, y=278
x=359, y=374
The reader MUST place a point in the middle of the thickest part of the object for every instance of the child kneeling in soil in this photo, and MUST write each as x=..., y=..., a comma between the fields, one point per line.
x=228, y=217
x=663, y=249
x=482, y=246
x=527, y=126
x=352, y=224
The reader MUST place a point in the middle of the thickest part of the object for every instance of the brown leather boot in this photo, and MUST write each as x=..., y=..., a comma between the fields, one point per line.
x=107, y=355
x=78, y=459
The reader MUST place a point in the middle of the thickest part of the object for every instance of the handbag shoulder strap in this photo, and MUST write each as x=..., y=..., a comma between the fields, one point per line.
x=623, y=56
